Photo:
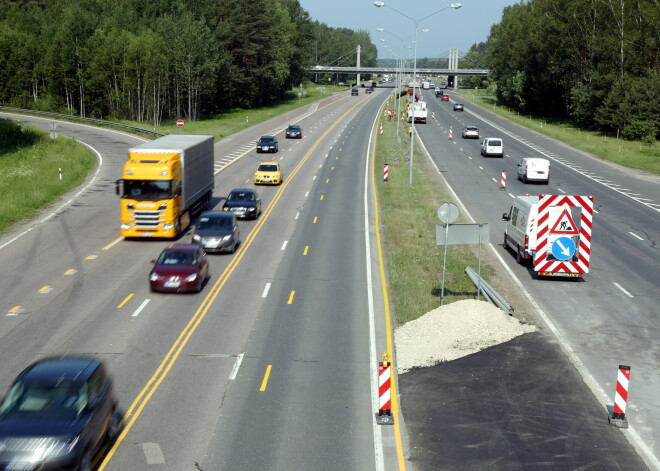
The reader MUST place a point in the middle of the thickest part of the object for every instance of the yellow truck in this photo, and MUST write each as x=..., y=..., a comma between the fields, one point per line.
x=163, y=183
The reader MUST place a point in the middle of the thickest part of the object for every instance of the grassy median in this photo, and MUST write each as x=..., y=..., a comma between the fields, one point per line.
x=408, y=218
x=30, y=164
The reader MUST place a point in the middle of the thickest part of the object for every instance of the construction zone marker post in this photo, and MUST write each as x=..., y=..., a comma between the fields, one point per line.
x=384, y=415
x=618, y=417
x=503, y=181
x=386, y=173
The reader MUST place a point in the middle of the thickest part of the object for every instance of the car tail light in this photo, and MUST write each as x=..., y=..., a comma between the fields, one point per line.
x=527, y=243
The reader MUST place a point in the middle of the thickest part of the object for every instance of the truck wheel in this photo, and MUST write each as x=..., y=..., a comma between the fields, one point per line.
x=504, y=244
x=519, y=257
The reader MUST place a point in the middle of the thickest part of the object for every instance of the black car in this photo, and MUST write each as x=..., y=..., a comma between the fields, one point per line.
x=438, y=92
x=369, y=90
x=355, y=92
x=57, y=414
x=217, y=231
x=245, y=203
x=293, y=131
x=267, y=144
x=458, y=107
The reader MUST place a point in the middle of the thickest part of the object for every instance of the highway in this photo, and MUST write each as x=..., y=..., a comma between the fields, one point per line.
x=609, y=318
x=273, y=363
x=271, y=366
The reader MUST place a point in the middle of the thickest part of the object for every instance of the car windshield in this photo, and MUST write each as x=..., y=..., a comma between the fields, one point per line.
x=267, y=140
x=267, y=168
x=240, y=196
x=294, y=128
x=494, y=143
x=42, y=398
x=471, y=128
x=220, y=222
x=173, y=257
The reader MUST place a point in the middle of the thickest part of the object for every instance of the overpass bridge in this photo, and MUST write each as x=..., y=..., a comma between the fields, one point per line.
x=321, y=69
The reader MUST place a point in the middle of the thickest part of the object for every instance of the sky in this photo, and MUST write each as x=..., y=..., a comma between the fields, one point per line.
x=447, y=29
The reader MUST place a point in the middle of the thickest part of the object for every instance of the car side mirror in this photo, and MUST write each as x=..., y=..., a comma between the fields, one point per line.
x=505, y=217
x=153, y=262
x=519, y=165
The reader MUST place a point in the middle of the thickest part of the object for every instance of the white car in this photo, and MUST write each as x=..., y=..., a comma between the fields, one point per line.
x=534, y=169
x=470, y=132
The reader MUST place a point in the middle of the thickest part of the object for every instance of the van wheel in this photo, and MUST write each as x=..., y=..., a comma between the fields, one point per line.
x=505, y=244
x=519, y=257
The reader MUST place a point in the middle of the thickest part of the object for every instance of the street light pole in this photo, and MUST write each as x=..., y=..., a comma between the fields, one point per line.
x=455, y=6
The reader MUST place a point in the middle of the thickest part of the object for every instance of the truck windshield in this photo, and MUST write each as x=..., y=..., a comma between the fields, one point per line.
x=147, y=189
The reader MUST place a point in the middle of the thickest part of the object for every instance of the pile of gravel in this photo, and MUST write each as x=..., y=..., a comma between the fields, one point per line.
x=453, y=331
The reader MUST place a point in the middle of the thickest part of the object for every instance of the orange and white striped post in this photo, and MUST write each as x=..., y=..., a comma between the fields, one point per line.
x=386, y=173
x=618, y=417
x=450, y=133
x=381, y=128
x=503, y=180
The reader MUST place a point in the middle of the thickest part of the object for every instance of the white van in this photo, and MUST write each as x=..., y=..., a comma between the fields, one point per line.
x=534, y=169
x=520, y=230
x=492, y=146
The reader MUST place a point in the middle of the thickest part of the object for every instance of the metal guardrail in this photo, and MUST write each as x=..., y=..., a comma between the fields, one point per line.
x=78, y=118
x=488, y=292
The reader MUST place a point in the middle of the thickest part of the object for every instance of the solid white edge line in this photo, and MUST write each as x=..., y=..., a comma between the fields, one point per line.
x=379, y=459
x=635, y=235
x=60, y=208
x=630, y=433
x=623, y=290
x=266, y=289
x=139, y=309
x=237, y=365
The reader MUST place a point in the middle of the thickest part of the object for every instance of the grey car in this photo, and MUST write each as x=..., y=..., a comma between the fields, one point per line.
x=217, y=231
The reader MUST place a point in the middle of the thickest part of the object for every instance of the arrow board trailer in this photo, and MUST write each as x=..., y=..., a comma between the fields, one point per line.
x=542, y=228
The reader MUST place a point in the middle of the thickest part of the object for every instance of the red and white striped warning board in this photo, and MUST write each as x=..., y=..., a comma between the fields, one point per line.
x=384, y=396
x=549, y=229
x=618, y=416
x=386, y=173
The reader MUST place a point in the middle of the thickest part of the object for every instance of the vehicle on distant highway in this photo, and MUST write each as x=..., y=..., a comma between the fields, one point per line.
x=268, y=173
x=470, y=132
x=245, y=203
x=492, y=146
x=534, y=169
x=57, y=414
x=458, y=107
x=293, y=132
x=267, y=144
x=179, y=268
x=439, y=93
x=444, y=98
x=217, y=231
x=355, y=92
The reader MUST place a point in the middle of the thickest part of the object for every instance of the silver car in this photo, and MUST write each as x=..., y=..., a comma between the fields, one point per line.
x=217, y=231
x=470, y=132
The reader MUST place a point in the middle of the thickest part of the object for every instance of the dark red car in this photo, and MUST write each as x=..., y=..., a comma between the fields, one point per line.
x=445, y=98
x=179, y=268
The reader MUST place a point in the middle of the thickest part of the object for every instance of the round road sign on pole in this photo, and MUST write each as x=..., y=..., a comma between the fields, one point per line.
x=179, y=123
x=448, y=212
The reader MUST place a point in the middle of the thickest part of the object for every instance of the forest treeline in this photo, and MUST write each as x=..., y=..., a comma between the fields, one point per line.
x=162, y=59
x=593, y=61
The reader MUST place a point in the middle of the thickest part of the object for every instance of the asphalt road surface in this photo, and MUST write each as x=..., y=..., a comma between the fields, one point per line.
x=271, y=366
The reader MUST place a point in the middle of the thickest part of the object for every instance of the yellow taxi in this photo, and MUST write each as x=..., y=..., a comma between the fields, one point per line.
x=268, y=173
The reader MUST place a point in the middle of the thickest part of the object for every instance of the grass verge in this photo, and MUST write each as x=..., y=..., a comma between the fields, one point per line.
x=408, y=218
x=30, y=163
x=630, y=154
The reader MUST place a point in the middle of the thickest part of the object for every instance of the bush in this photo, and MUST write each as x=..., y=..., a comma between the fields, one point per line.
x=639, y=131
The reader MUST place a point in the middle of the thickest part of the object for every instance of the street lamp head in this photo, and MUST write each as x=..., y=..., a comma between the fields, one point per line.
x=425, y=30
x=380, y=30
x=382, y=40
x=455, y=6
x=379, y=4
